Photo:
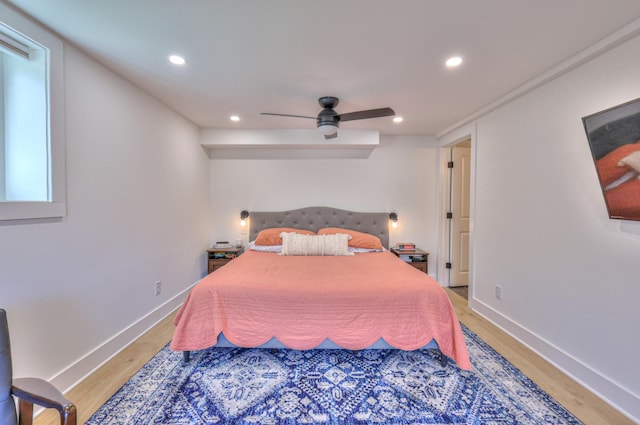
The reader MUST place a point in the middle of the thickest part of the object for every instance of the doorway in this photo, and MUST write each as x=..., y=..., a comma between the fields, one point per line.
x=459, y=215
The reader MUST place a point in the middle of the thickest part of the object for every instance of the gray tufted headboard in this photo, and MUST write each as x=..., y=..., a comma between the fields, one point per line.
x=315, y=218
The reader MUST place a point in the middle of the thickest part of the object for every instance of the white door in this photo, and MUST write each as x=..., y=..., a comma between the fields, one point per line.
x=460, y=197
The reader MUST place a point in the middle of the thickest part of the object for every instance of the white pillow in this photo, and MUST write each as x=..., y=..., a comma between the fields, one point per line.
x=297, y=244
x=362, y=250
x=632, y=161
x=264, y=248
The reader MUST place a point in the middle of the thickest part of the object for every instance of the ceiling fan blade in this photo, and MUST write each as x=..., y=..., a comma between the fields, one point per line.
x=369, y=113
x=287, y=115
x=331, y=136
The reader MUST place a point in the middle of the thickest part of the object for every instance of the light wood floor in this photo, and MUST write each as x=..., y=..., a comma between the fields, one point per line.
x=90, y=394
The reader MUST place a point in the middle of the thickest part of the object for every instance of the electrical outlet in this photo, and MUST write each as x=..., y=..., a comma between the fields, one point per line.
x=158, y=287
x=499, y=292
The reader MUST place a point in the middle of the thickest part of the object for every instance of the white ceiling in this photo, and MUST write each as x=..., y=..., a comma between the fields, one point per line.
x=251, y=56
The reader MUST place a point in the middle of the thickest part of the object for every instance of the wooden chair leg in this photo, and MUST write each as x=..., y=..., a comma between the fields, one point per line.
x=68, y=416
x=25, y=412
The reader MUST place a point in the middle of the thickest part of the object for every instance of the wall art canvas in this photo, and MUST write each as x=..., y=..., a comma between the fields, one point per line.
x=614, y=139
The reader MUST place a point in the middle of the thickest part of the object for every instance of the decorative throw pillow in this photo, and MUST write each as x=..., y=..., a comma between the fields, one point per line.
x=358, y=239
x=272, y=236
x=297, y=244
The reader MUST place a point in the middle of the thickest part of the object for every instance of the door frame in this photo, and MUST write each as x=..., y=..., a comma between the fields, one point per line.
x=445, y=189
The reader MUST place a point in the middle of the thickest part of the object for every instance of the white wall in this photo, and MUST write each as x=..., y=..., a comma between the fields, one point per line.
x=400, y=175
x=569, y=274
x=138, y=212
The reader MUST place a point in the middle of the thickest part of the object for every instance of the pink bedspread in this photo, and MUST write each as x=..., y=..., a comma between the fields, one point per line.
x=301, y=301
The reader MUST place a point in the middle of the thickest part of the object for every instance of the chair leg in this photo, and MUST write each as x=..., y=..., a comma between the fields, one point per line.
x=25, y=412
x=68, y=416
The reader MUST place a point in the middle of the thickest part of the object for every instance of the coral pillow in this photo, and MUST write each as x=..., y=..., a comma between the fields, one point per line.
x=297, y=244
x=272, y=236
x=358, y=239
x=608, y=166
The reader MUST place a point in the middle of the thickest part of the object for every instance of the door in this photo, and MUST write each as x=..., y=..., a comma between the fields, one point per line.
x=460, y=209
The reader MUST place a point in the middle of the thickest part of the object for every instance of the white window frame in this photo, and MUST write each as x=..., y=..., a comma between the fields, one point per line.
x=55, y=206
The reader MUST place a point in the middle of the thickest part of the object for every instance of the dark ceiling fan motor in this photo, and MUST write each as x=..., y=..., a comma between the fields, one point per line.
x=328, y=115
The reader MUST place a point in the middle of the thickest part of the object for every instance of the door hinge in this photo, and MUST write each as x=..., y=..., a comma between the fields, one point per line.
x=449, y=215
x=448, y=265
x=450, y=164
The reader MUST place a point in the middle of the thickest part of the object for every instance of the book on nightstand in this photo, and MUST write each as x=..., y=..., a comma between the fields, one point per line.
x=221, y=245
x=404, y=246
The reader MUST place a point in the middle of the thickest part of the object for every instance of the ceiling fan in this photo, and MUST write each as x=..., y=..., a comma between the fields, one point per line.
x=328, y=119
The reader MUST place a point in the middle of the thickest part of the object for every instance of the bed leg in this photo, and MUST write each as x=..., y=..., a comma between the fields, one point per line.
x=444, y=360
x=186, y=355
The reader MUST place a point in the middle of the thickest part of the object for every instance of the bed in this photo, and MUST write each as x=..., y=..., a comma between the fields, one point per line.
x=367, y=299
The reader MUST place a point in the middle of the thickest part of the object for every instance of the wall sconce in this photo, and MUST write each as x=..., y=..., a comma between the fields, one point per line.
x=244, y=214
x=393, y=217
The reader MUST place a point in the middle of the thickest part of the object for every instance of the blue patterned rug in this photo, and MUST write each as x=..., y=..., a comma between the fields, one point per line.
x=277, y=387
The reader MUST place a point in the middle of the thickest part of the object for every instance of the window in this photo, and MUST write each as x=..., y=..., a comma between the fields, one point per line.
x=31, y=120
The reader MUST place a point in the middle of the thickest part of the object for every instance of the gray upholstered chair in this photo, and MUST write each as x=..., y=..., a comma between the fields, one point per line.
x=28, y=391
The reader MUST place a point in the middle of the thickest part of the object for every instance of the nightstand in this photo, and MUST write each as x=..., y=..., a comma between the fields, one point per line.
x=218, y=257
x=415, y=257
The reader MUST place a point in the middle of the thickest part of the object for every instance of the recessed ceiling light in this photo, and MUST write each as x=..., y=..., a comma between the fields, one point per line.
x=454, y=61
x=397, y=119
x=234, y=118
x=177, y=60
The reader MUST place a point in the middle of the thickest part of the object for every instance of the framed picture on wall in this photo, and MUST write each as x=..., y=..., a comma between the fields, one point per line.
x=614, y=139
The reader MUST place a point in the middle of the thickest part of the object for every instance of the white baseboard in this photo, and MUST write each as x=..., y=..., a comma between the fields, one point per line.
x=84, y=366
x=622, y=399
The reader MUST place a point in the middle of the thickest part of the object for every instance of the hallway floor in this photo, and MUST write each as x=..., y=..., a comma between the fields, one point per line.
x=463, y=291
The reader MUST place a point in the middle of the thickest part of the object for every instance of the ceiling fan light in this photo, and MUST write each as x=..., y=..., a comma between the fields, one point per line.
x=328, y=129
x=177, y=60
x=454, y=61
